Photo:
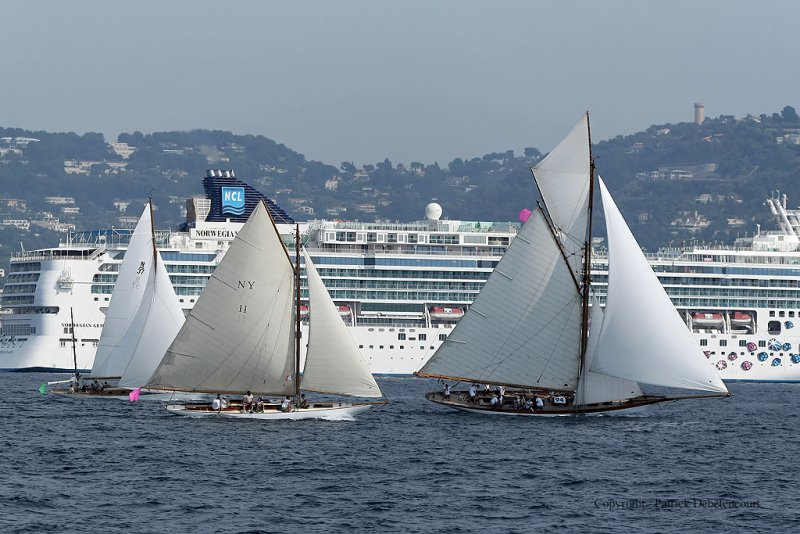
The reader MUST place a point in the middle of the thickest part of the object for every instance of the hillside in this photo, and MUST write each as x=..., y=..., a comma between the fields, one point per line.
x=673, y=182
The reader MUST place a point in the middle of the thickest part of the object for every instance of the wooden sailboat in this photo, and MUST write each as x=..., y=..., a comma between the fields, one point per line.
x=143, y=318
x=531, y=332
x=243, y=337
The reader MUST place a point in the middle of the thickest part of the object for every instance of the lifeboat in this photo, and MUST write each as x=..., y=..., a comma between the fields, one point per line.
x=344, y=311
x=708, y=320
x=741, y=318
x=303, y=311
x=446, y=314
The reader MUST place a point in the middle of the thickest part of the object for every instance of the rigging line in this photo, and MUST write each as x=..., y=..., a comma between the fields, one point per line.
x=554, y=232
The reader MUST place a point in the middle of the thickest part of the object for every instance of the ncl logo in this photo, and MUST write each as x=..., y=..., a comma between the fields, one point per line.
x=233, y=200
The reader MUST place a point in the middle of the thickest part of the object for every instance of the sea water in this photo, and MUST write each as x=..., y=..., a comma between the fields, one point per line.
x=104, y=465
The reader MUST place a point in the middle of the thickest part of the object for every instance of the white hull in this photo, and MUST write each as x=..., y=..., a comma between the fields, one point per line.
x=331, y=412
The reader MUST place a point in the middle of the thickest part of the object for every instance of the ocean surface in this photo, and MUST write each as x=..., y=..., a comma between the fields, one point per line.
x=104, y=465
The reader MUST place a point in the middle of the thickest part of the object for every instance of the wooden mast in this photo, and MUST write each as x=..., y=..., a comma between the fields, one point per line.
x=587, y=260
x=297, y=316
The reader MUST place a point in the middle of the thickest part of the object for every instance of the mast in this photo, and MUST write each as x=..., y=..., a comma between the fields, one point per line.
x=74, y=354
x=152, y=231
x=297, y=314
x=587, y=259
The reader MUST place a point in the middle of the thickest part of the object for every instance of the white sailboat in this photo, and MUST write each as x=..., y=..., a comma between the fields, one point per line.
x=143, y=318
x=529, y=329
x=242, y=336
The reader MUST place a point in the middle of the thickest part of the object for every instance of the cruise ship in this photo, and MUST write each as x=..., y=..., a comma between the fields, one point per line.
x=401, y=287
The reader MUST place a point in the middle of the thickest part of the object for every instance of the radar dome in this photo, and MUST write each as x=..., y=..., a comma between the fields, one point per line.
x=433, y=211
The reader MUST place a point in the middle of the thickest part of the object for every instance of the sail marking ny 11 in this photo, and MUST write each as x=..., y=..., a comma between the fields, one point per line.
x=529, y=326
x=240, y=336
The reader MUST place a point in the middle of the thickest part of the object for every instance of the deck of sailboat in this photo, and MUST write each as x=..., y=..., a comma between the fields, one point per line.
x=460, y=400
x=315, y=410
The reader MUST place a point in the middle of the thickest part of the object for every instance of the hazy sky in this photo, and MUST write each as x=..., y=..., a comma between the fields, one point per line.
x=414, y=80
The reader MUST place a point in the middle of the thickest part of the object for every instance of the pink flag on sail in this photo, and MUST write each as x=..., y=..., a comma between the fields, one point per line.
x=525, y=214
x=134, y=395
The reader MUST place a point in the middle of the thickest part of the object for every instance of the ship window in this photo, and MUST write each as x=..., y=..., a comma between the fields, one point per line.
x=361, y=346
x=96, y=299
x=372, y=346
x=742, y=342
x=431, y=347
x=391, y=346
x=762, y=343
x=401, y=337
x=422, y=337
x=772, y=313
x=442, y=337
x=380, y=347
x=180, y=300
x=781, y=314
x=402, y=347
x=774, y=328
x=703, y=342
x=723, y=342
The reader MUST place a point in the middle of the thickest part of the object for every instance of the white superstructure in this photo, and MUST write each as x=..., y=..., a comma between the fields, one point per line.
x=401, y=287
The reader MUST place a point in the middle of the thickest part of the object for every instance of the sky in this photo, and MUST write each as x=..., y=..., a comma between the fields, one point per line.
x=413, y=80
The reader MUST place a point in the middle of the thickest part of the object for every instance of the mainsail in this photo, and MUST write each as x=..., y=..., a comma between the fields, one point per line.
x=333, y=362
x=524, y=326
x=664, y=355
x=143, y=316
x=240, y=334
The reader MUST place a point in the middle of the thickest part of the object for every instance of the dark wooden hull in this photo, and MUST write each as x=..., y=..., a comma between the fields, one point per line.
x=459, y=400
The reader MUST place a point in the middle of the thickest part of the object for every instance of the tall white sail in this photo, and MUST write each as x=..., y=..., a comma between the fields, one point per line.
x=524, y=326
x=563, y=180
x=240, y=334
x=158, y=321
x=643, y=338
x=114, y=351
x=333, y=362
x=595, y=387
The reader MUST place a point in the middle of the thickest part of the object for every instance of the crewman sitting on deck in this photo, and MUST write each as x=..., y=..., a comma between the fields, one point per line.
x=286, y=404
x=216, y=404
x=247, y=402
x=472, y=393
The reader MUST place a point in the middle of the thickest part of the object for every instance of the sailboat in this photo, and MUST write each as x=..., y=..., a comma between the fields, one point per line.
x=532, y=333
x=242, y=337
x=143, y=318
